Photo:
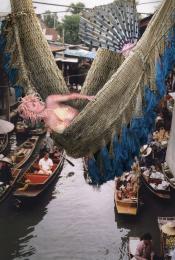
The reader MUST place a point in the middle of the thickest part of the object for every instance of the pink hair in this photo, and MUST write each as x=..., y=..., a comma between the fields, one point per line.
x=127, y=48
x=26, y=111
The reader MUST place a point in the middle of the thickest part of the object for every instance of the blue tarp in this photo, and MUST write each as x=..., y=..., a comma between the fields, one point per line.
x=80, y=53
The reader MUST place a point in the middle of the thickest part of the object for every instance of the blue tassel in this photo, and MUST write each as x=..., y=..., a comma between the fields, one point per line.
x=93, y=170
x=18, y=91
x=160, y=79
x=117, y=160
x=150, y=100
x=107, y=165
x=12, y=75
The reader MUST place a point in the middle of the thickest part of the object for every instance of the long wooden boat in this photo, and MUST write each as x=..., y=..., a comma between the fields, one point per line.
x=35, y=184
x=21, y=127
x=168, y=175
x=167, y=241
x=127, y=205
x=37, y=131
x=5, y=191
x=132, y=246
x=23, y=152
x=157, y=185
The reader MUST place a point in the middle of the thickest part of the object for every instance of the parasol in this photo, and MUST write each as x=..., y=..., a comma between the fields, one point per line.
x=5, y=126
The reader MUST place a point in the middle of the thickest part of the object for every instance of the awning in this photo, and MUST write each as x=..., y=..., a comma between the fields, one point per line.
x=80, y=53
x=66, y=59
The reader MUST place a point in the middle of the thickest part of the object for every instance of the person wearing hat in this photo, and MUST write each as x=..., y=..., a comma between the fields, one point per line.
x=5, y=170
x=144, y=250
x=146, y=155
x=169, y=228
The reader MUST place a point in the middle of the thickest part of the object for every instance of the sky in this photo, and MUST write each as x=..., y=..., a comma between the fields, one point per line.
x=146, y=8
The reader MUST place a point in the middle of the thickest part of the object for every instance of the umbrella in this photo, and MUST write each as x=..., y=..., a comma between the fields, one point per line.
x=169, y=228
x=5, y=126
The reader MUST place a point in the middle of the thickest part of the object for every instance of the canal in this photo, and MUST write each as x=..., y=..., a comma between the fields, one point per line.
x=75, y=221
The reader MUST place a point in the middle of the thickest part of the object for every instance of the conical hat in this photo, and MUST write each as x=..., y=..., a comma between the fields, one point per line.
x=5, y=126
x=145, y=150
x=169, y=228
x=5, y=159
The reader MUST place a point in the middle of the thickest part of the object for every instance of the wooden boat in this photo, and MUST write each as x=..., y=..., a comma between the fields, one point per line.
x=168, y=175
x=23, y=152
x=37, y=131
x=127, y=205
x=156, y=183
x=35, y=184
x=5, y=191
x=167, y=241
x=21, y=127
x=133, y=242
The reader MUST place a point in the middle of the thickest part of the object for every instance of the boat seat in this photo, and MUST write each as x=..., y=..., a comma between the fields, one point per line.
x=37, y=178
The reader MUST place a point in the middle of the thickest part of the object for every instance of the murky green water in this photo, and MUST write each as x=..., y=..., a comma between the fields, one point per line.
x=75, y=221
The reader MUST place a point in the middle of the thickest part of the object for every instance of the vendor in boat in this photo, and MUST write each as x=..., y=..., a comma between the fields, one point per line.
x=144, y=250
x=45, y=165
x=146, y=156
x=56, y=115
x=5, y=170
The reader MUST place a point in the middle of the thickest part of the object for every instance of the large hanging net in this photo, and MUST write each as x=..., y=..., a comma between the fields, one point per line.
x=122, y=113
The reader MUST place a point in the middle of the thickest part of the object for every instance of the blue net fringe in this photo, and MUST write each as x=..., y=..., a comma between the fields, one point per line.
x=136, y=135
x=10, y=69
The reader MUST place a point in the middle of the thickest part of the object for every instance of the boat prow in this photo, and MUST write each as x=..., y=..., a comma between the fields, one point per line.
x=133, y=243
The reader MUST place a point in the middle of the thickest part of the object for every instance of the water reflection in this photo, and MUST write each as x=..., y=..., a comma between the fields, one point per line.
x=76, y=221
x=17, y=227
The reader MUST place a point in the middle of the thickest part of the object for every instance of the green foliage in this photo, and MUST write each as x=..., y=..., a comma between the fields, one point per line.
x=76, y=8
x=71, y=28
x=70, y=23
x=51, y=21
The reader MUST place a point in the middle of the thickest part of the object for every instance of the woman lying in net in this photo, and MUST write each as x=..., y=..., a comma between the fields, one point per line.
x=56, y=115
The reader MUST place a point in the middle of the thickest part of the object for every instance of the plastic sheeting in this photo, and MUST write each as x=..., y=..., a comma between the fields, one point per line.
x=171, y=146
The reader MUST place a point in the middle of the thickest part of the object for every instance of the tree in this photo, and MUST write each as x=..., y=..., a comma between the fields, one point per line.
x=76, y=8
x=71, y=23
x=51, y=21
x=71, y=28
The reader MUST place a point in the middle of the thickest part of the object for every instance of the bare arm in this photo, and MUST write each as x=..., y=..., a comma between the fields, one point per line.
x=61, y=98
x=139, y=258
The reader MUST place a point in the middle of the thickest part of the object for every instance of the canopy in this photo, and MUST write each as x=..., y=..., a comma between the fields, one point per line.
x=6, y=127
x=171, y=146
x=123, y=94
x=80, y=53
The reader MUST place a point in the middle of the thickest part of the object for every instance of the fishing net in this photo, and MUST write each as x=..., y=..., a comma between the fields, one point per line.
x=35, y=61
x=139, y=80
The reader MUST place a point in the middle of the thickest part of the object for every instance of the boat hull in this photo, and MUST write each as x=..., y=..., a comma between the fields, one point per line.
x=8, y=191
x=35, y=190
x=126, y=207
x=162, y=194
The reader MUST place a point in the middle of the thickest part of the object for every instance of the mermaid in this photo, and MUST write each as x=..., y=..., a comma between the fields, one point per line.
x=56, y=115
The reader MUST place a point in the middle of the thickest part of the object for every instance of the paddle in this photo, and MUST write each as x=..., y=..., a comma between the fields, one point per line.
x=68, y=161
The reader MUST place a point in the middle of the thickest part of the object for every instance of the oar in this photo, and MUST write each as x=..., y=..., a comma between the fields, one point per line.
x=68, y=161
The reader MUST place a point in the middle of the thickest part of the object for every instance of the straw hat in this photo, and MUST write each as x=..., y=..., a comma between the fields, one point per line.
x=5, y=126
x=169, y=228
x=145, y=150
x=5, y=159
